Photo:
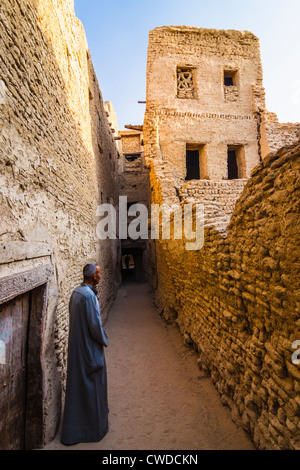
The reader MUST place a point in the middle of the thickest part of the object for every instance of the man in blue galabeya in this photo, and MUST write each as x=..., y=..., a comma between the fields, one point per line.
x=86, y=405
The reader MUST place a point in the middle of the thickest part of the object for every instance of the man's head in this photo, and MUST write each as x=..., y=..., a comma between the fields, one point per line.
x=91, y=274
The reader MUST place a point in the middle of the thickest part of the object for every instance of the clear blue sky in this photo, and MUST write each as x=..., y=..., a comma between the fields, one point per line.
x=117, y=35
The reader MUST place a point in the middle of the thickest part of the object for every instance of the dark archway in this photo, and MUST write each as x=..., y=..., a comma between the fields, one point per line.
x=132, y=265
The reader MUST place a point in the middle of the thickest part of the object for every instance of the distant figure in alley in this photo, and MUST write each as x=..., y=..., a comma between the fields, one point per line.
x=86, y=405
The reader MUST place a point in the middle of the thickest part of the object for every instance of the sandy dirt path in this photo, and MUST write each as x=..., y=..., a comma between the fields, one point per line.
x=158, y=397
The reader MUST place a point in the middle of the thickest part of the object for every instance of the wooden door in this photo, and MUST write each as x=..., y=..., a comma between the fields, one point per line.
x=14, y=325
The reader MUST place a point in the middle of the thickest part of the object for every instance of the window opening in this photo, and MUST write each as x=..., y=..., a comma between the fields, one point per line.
x=131, y=158
x=133, y=162
x=228, y=81
x=230, y=78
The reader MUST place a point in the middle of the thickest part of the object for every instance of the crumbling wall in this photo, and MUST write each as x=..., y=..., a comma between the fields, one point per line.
x=57, y=157
x=236, y=300
x=277, y=134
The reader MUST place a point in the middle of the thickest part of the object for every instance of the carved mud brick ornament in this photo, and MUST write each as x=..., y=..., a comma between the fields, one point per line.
x=185, y=83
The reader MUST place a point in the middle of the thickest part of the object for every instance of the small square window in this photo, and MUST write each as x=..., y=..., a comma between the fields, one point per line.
x=230, y=82
x=185, y=83
x=230, y=78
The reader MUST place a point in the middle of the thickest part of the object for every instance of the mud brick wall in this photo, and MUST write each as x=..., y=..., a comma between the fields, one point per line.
x=236, y=301
x=131, y=142
x=57, y=156
x=221, y=196
x=279, y=134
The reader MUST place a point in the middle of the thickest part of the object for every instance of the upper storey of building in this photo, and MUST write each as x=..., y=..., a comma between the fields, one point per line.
x=208, y=70
x=204, y=102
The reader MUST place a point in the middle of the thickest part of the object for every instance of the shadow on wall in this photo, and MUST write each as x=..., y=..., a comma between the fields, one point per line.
x=50, y=174
x=108, y=252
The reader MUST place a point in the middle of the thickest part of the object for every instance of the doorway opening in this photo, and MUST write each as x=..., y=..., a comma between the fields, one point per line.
x=128, y=266
x=132, y=264
x=232, y=165
x=236, y=166
x=21, y=375
x=196, y=162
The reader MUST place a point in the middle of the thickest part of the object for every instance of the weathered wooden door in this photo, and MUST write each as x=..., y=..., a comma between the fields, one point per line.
x=14, y=326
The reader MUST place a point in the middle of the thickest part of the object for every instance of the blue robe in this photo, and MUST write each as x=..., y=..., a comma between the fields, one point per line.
x=86, y=407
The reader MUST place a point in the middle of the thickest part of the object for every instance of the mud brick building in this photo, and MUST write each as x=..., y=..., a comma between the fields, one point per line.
x=206, y=138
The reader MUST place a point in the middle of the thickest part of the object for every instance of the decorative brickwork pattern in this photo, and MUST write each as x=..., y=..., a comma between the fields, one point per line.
x=185, y=83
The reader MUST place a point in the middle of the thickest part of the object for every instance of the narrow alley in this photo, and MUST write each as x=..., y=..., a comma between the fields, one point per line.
x=193, y=187
x=158, y=397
